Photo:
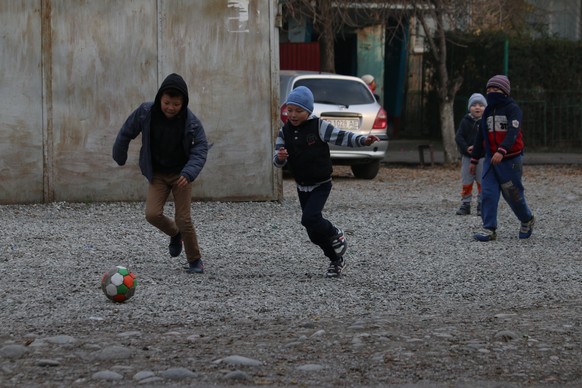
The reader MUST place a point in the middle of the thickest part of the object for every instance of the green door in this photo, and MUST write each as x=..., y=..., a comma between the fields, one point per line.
x=371, y=56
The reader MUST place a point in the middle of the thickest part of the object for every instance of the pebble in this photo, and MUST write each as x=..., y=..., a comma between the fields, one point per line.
x=240, y=360
x=47, y=362
x=318, y=333
x=177, y=373
x=12, y=351
x=151, y=380
x=107, y=375
x=506, y=335
x=146, y=374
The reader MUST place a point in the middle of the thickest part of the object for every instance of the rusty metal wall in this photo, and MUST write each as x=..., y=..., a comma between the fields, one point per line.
x=86, y=65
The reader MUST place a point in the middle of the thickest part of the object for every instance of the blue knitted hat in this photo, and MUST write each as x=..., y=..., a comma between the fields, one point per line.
x=476, y=98
x=302, y=97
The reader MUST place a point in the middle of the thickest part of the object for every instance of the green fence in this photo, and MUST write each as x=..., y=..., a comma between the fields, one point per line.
x=551, y=120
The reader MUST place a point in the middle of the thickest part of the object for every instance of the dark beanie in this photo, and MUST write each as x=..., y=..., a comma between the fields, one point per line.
x=302, y=97
x=500, y=81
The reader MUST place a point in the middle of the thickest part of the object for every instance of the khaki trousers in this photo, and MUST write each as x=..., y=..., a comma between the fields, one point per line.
x=158, y=192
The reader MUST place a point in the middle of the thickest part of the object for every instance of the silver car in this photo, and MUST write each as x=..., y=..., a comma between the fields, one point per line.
x=347, y=103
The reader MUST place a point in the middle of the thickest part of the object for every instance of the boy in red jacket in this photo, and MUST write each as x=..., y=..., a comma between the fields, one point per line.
x=500, y=139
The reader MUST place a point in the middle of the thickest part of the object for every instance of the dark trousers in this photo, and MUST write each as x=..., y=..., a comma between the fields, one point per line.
x=319, y=230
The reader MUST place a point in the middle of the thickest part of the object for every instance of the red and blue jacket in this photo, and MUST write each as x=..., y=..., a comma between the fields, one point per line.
x=500, y=129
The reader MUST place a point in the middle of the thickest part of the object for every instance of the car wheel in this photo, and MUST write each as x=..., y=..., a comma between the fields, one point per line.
x=366, y=171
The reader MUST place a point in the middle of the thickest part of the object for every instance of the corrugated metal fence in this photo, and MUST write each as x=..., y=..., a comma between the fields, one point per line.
x=73, y=70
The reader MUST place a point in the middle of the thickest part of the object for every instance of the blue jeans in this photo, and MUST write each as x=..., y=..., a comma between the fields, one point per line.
x=319, y=230
x=503, y=179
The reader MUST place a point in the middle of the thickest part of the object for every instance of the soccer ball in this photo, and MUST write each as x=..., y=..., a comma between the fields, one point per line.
x=118, y=284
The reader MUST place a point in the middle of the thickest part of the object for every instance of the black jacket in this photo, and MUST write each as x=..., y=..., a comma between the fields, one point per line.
x=309, y=159
x=466, y=133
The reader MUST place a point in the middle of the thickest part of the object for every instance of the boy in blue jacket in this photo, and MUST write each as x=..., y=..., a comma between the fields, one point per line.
x=302, y=145
x=173, y=152
x=501, y=140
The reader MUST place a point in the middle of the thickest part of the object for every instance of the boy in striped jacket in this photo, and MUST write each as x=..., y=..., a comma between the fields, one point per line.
x=302, y=145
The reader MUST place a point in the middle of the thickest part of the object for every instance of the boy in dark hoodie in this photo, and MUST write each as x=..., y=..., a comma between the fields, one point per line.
x=501, y=140
x=173, y=152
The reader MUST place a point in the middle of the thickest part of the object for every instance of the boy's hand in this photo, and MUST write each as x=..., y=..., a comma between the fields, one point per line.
x=182, y=181
x=282, y=154
x=496, y=158
x=371, y=140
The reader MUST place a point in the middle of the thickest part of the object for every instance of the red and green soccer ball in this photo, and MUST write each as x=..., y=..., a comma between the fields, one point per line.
x=118, y=284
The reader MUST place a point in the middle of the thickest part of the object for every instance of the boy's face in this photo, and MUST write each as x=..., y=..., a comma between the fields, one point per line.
x=171, y=106
x=296, y=115
x=477, y=110
x=493, y=89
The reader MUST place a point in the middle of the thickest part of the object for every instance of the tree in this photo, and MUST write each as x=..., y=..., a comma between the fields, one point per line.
x=436, y=17
x=455, y=15
x=446, y=87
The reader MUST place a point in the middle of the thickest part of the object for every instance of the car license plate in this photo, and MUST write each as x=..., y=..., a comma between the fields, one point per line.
x=345, y=124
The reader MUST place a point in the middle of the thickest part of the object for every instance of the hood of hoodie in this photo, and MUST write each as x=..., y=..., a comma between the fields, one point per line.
x=173, y=81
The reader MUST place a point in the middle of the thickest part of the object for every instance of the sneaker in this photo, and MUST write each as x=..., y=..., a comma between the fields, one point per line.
x=335, y=268
x=485, y=235
x=339, y=243
x=196, y=266
x=175, y=246
x=526, y=228
x=464, y=210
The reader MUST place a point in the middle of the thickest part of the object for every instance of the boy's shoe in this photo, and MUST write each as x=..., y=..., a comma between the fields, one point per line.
x=485, y=235
x=464, y=210
x=526, y=228
x=175, y=246
x=339, y=243
x=335, y=268
x=196, y=266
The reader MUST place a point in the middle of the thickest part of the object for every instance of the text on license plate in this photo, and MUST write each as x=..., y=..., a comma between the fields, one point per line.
x=345, y=124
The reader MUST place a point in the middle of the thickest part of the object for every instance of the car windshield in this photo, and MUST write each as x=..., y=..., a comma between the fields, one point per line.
x=337, y=91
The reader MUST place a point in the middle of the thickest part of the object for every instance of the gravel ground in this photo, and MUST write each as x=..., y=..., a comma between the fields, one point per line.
x=420, y=303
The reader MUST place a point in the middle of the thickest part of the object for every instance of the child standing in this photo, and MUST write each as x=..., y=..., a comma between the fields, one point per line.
x=465, y=138
x=302, y=145
x=500, y=138
x=173, y=152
